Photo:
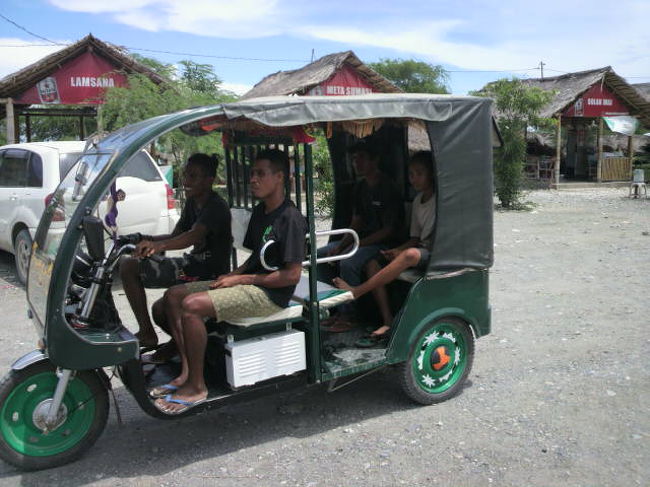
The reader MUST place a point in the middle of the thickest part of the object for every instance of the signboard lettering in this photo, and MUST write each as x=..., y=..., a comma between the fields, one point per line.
x=80, y=81
x=344, y=82
x=597, y=101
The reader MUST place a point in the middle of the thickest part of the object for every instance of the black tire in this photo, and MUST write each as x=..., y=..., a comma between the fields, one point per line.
x=25, y=393
x=439, y=361
x=22, y=254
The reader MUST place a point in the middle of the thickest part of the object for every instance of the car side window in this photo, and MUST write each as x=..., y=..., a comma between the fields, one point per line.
x=35, y=171
x=13, y=168
x=141, y=166
x=66, y=161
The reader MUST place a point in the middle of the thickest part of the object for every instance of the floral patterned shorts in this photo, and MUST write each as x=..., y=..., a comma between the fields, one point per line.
x=237, y=302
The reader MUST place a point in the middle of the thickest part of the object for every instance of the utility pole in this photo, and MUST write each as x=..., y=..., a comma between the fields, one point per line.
x=541, y=69
x=312, y=55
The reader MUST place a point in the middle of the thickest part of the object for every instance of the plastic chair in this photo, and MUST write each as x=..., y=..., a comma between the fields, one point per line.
x=638, y=184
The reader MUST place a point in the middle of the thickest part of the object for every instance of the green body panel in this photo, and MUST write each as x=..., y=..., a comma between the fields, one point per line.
x=464, y=296
x=68, y=348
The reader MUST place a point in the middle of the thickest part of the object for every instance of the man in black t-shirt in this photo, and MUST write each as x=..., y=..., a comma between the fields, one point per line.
x=249, y=291
x=204, y=224
x=377, y=216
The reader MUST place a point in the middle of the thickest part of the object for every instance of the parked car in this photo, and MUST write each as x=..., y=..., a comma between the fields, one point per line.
x=30, y=172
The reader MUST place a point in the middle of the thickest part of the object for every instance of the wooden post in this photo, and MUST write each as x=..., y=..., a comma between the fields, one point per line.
x=10, y=122
x=558, y=151
x=28, y=127
x=599, y=168
x=100, y=127
x=630, y=155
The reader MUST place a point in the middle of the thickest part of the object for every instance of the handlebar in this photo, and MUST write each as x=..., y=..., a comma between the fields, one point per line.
x=322, y=260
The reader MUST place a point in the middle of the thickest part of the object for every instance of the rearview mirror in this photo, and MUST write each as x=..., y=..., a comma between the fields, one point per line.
x=94, y=232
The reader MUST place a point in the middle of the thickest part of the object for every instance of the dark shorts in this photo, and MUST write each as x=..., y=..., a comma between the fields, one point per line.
x=425, y=255
x=164, y=274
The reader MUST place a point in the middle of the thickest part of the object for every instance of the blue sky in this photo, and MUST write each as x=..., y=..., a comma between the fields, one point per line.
x=476, y=40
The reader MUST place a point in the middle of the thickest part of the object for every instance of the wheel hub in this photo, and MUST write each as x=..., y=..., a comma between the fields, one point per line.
x=39, y=416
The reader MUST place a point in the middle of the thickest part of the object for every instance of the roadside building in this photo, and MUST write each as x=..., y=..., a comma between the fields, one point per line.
x=583, y=104
x=68, y=83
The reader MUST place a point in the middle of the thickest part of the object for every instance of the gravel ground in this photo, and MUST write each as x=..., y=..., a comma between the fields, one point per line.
x=558, y=395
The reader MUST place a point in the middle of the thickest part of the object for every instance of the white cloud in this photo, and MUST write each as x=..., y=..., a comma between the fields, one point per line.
x=14, y=58
x=474, y=35
x=236, y=88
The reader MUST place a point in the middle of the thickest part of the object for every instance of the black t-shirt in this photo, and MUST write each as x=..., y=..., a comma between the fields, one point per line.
x=211, y=257
x=287, y=227
x=378, y=206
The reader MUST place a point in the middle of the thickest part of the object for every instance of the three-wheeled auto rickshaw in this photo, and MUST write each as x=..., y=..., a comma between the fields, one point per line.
x=54, y=401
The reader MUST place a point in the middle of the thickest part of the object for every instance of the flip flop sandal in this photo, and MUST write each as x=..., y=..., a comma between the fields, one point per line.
x=162, y=391
x=169, y=399
x=150, y=360
x=372, y=341
x=149, y=348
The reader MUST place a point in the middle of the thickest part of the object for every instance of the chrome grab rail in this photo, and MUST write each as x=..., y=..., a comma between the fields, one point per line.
x=322, y=260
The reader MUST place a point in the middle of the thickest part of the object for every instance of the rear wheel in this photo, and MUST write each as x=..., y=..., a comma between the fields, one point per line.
x=25, y=396
x=22, y=253
x=439, y=362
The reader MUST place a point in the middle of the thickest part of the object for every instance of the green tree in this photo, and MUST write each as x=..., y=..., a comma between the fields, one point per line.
x=195, y=85
x=165, y=70
x=517, y=107
x=413, y=76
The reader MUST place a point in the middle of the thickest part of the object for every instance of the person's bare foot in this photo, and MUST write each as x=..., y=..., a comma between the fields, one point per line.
x=147, y=339
x=382, y=330
x=184, y=398
x=341, y=284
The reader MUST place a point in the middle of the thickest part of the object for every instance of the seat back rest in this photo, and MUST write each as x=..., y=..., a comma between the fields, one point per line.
x=240, y=219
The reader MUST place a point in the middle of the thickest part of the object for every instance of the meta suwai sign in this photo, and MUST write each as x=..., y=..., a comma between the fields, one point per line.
x=597, y=101
x=345, y=81
x=81, y=81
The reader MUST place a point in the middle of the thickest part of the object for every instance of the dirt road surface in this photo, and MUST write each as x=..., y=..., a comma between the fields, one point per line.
x=559, y=394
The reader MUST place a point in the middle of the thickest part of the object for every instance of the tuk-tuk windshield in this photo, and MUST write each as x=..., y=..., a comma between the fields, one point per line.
x=61, y=206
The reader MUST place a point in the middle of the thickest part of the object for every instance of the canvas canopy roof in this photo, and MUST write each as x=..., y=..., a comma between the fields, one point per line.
x=460, y=129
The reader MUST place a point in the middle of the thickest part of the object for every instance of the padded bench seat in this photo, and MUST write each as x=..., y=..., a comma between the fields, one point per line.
x=328, y=297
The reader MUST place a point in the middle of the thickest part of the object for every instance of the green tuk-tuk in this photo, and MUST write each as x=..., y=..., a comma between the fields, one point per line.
x=54, y=401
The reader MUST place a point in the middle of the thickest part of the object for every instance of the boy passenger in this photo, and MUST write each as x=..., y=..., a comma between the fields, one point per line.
x=204, y=224
x=249, y=291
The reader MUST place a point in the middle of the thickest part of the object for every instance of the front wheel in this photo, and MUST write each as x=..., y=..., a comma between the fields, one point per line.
x=25, y=395
x=439, y=361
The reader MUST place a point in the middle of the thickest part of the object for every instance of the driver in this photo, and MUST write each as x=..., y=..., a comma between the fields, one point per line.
x=204, y=224
x=246, y=292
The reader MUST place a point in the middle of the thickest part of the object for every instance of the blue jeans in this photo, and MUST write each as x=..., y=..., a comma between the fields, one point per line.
x=350, y=269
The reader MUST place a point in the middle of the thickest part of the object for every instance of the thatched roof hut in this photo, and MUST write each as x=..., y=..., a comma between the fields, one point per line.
x=643, y=89
x=570, y=87
x=301, y=81
x=83, y=70
x=16, y=83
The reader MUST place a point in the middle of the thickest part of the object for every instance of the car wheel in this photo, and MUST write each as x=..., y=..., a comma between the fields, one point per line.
x=22, y=253
x=439, y=362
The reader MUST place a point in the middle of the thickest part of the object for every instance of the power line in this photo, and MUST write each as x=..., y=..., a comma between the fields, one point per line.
x=30, y=32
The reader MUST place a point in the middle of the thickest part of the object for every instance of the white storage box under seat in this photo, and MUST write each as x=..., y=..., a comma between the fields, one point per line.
x=264, y=357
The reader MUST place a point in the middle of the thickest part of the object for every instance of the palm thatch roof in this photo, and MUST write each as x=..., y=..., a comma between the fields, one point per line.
x=644, y=89
x=569, y=87
x=16, y=83
x=300, y=81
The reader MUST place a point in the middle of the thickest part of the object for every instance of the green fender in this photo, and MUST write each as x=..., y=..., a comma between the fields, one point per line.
x=462, y=295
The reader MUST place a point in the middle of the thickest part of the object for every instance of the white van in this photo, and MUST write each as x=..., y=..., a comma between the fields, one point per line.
x=30, y=172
